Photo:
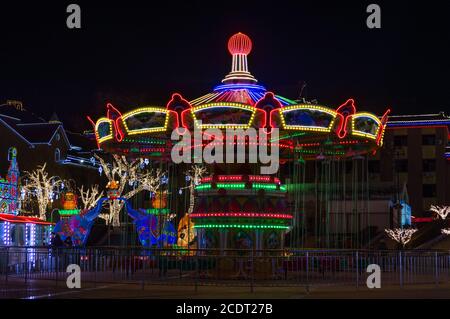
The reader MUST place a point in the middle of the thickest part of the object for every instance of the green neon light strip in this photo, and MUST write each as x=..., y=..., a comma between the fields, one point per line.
x=287, y=136
x=285, y=99
x=241, y=226
x=231, y=185
x=203, y=187
x=318, y=152
x=69, y=211
x=144, y=140
x=264, y=186
x=156, y=211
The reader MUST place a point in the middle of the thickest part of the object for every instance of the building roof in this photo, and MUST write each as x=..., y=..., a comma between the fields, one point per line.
x=20, y=114
x=38, y=133
x=419, y=120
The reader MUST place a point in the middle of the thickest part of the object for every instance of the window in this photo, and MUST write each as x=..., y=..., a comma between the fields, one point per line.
x=429, y=190
x=57, y=137
x=429, y=165
x=401, y=140
x=374, y=166
x=57, y=155
x=401, y=165
x=428, y=139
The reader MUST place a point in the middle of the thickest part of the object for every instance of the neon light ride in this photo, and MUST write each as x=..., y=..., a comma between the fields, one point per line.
x=237, y=206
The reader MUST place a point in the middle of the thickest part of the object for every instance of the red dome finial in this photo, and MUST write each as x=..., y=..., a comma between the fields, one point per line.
x=240, y=44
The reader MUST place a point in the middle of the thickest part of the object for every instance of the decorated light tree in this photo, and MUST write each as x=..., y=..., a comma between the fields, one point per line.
x=126, y=179
x=194, y=176
x=39, y=186
x=186, y=231
x=90, y=197
x=441, y=211
x=401, y=235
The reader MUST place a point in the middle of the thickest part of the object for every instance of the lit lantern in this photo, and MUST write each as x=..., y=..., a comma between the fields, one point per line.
x=112, y=189
x=69, y=201
x=160, y=200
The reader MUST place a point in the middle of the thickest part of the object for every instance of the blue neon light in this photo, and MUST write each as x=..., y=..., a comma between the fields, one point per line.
x=418, y=123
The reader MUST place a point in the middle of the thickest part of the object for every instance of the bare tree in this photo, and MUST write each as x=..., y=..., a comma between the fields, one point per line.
x=90, y=197
x=39, y=186
x=441, y=211
x=132, y=179
x=401, y=235
x=195, y=174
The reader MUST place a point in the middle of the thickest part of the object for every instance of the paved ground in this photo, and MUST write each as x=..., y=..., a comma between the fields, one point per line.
x=47, y=289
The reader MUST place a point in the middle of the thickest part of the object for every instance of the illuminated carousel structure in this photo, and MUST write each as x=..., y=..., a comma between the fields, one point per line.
x=236, y=206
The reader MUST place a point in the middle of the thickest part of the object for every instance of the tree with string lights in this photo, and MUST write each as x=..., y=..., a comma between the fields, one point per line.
x=441, y=211
x=39, y=186
x=401, y=235
x=129, y=178
x=90, y=196
x=193, y=176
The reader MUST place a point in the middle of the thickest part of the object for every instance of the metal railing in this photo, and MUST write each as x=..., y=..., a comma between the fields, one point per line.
x=250, y=268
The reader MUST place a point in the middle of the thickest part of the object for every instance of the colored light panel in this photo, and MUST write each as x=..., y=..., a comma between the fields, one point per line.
x=227, y=178
x=100, y=133
x=372, y=117
x=140, y=112
x=224, y=106
x=242, y=214
x=307, y=107
x=69, y=212
x=156, y=211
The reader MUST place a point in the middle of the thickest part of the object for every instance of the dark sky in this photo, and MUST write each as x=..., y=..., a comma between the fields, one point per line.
x=138, y=53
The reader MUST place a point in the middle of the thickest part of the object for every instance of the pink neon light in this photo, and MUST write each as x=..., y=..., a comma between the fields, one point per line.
x=383, y=125
x=251, y=215
x=95, y=133
x=239, y=44
x=345, y=115
x=111, y=109
x=267, y=100
x=176, y=100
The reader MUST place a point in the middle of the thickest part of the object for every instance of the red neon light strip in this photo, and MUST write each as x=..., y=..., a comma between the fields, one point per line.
x=422, y=219
x=223, y=178
x=206, y=179
x=257, y=178
x=22, y=219
x=345, y=117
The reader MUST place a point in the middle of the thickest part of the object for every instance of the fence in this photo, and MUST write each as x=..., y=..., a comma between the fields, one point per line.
x=223, y=267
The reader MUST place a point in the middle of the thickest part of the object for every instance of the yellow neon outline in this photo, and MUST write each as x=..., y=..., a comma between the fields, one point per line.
x=224, y=104
x=145, y=130
x=322, y=109
x=364, y=134
x=109, y=136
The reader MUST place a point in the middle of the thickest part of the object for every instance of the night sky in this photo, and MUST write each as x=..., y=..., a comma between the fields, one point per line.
x=140, y=53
